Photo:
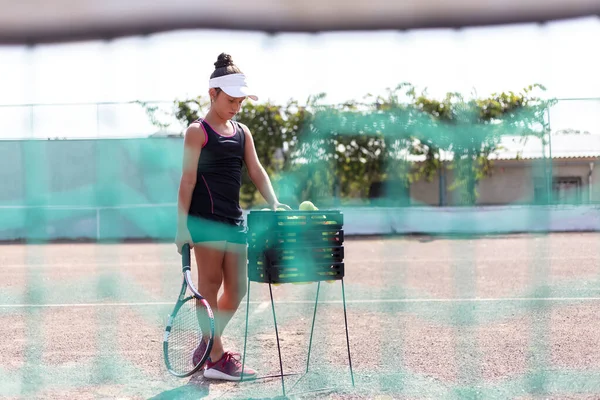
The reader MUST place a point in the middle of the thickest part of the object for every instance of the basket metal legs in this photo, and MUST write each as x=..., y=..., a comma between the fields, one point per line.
x=277, y=337
x=347, y=337
x=282, y=375
x=246, y=330
x=312, y=329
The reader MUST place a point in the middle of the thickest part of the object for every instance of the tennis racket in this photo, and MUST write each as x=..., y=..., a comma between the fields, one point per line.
x=190, y=329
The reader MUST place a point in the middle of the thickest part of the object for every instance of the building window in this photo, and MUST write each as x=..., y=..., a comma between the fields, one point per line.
x=567, y=190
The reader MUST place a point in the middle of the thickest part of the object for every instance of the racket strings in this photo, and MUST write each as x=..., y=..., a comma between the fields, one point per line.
x=190, y=325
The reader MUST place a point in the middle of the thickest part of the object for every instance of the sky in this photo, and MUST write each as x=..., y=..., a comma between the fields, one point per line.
x=345, y=65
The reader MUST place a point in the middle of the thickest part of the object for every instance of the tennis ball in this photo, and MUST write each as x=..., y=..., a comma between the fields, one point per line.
x=266, y=209
x=281, y=209
x=307, y=206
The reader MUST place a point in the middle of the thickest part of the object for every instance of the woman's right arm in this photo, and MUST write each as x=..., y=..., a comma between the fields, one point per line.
x=192, y=146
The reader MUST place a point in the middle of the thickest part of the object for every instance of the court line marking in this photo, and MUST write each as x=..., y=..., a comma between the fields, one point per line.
x=115, y=264
x=87, y=208
x=262, y=305
x=168, y=262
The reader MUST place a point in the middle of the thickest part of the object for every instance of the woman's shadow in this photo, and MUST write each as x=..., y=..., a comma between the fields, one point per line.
x=197, y=387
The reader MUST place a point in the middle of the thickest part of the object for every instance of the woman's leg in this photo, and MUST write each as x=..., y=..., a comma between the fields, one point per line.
x=234, y=281
x=209, y=259
x=229, y=367
x=234, y=289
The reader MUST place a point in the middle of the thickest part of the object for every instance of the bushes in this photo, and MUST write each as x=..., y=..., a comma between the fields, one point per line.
x=338, y=153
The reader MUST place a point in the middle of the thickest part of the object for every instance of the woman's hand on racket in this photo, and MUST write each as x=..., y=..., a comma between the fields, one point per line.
x=183, y=236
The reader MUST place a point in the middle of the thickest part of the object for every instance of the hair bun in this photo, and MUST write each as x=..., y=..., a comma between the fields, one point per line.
x=223, y=61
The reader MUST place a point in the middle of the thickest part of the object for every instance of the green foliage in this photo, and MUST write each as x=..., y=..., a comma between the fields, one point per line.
x=188, y=111
x=467, y=130
x=330, y=153
x=274, y=129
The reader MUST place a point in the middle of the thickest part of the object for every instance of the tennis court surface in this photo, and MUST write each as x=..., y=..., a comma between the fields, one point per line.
x=429, y=318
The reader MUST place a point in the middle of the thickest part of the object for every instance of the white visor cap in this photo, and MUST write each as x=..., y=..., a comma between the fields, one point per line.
x=234, y=85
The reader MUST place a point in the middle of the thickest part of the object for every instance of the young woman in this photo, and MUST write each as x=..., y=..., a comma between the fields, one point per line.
x=210, y=217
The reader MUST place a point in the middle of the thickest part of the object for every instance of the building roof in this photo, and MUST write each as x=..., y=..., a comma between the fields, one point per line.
x=563, y=146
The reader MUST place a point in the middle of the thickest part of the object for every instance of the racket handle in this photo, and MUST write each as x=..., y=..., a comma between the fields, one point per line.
x=185, y=256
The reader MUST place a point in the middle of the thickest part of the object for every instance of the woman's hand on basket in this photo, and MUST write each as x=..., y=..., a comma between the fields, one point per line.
x=277, y=205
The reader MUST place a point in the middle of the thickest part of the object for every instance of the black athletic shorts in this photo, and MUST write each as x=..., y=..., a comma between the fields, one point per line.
x=214, y=228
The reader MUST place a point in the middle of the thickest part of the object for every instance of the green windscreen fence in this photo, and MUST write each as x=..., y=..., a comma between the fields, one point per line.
x=466, y=317
x=90, y=189
x=399, y=156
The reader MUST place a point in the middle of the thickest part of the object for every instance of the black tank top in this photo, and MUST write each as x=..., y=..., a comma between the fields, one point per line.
x=219, y=177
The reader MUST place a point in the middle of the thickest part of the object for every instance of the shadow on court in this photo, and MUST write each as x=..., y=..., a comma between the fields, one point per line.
x=196, y=388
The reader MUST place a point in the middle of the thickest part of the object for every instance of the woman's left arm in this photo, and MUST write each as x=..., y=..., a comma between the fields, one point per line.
x=257, y=173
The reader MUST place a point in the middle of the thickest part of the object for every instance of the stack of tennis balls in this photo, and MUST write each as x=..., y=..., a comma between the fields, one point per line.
x=304, y=206
x=307, y=206
x=279, y=209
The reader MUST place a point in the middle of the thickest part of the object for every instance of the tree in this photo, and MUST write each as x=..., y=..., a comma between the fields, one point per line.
x=468, y=130
x=316, y=151
x=273, y=127
x=184, y=111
